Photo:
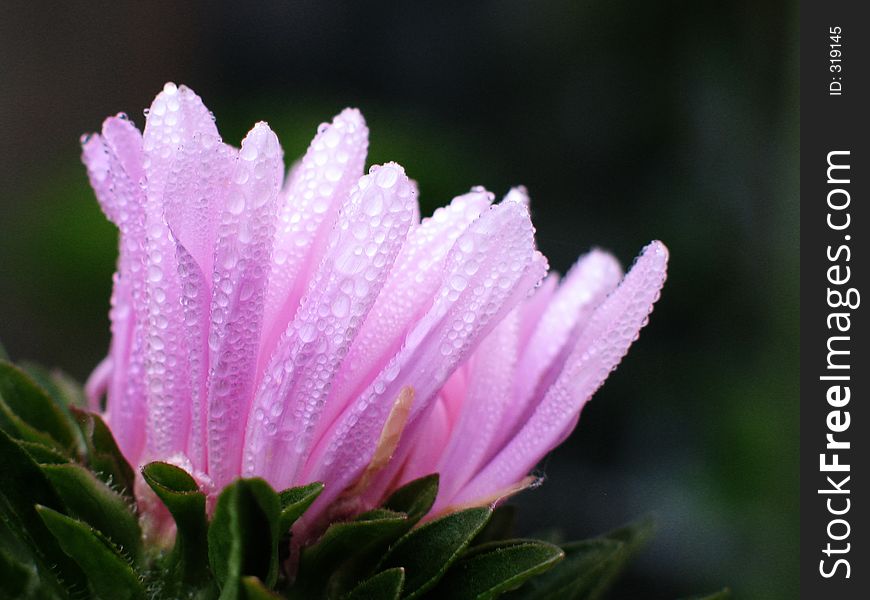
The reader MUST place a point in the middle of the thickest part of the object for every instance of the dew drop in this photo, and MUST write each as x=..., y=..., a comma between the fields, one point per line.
x=387, y=176
x=235, y=202
x=307, y=333
x=248, y=152
x=341, y=306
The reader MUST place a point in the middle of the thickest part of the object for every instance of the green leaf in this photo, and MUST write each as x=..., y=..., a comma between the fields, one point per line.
x=243, y=537
x=90, y=500
x=254, y=589
x=22, y=486
x=348, y=550
x=294, y=502
x=33, y=406
x=110, y=575
x=342, y=539
x=488, y=571
x=427, y=552
x=579, y=575
x=188, y=561
x=386, y=585
x=500, y=527
x=414, y=498
x=43, y=454
x=103, y=455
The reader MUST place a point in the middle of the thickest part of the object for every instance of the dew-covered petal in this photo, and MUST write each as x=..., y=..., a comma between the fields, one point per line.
x=408, y=292
x=195, y=193
x=518, y=194
x=583, y=289
x=241, y=271
x=533, y=308
x=176, y=116
x=369, y=234
x=492, y=266
x=488, y=396
x=599, y=349
x=317, y=187
x=114, y=161
x=97, y=383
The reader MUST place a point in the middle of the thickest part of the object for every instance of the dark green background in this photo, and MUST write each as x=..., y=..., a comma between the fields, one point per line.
x=626, y=120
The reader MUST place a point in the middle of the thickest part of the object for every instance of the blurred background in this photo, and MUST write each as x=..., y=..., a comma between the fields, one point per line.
x=627, y=121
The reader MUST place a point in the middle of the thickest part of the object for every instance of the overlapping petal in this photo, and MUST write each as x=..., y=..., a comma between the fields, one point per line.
x=314, y=329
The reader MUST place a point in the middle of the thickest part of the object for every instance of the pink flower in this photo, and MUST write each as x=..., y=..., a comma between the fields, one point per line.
x=312, y=328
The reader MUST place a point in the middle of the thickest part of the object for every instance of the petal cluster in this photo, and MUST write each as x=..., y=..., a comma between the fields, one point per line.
x=309, y=326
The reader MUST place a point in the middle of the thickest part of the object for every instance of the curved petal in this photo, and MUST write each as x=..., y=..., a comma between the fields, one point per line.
x=194, y=200
x=600, y=348
x=114, y=161
x=370, y=232
x=410, y=287
x=317, y=188
x=491, y=267
x=176, y=116
x=584, y=288
x=241, y=260
x=491, y=375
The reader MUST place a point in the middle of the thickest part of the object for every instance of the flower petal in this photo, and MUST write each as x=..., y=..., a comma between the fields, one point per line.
x=114, y=161
x=601, y=346
x=317, y=187
x=371, y=230
x=241, y=272
x=194, y=198
x=534, y=307
x=195, y=193
x=490, y=268
x=490, y=378
x=176, y=116
x=583, y=289
x=409, y=290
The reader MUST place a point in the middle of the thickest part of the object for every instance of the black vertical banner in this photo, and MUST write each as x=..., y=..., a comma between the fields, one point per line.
x=835, y=369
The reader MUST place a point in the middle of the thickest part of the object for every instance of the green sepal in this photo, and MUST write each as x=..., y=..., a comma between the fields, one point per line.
x=347, y=551
x=93, y=502
x=103, y=455
x=24, y=402
x=42, y=454
x=579, y=576
x=254, y=589
x=243, y=536
x=428, y=551
x=187, y=563
x=294, y=502
x=487, y=571
x=414, y=498
x=22, y=486
x=376, y=531
x=19, y=429
x=500, y=526
x=386, y=585
x=109, y=573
